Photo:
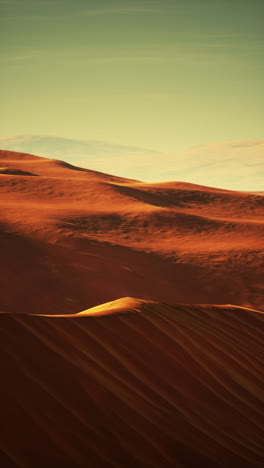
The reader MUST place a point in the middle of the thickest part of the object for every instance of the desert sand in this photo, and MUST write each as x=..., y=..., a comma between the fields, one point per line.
x=72, y=238
x=146, y=385
x=103, y=364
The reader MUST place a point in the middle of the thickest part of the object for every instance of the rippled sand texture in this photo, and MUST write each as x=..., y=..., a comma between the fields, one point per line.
x=149, y=385
x=72, y=238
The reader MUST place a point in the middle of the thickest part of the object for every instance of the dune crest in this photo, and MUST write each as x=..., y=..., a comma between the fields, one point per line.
x=131, y=304
x=124, y=304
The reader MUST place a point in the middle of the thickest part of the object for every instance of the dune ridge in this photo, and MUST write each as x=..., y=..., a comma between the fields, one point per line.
x=121, y=305
x=148, y=384
x=131, y=304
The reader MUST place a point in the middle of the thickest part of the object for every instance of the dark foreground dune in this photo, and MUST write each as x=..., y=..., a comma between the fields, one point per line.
x=149, y=385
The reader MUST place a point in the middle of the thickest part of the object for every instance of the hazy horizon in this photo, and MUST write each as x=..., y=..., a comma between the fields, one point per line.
x=160, y=75
x=233, y=165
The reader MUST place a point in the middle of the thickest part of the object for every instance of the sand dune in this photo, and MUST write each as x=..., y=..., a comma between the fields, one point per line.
x=152, y=385
x=68, y=148
x=76, y=238
x=236, y=165
x=89, y=380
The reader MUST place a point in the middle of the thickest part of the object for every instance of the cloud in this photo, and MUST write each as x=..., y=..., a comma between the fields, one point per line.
x=103, y=60
x=62, y=57
x=24, y=3
x=126, y=10
x=117, y=11
x=17, y=58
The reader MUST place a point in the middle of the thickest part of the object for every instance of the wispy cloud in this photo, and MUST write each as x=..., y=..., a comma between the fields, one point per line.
x=20, y=18
x=117, y=11
x=79, y=14
x=23, y=3
x=63, y=57
x=9, y=59
x=131, y=58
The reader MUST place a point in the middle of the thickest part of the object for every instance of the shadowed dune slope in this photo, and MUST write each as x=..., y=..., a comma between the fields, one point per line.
x=149, y=385
x=76, y=238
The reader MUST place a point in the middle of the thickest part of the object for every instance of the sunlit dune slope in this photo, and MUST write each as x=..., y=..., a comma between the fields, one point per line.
x=149, y=385
x=125, y=304
x=76, y=238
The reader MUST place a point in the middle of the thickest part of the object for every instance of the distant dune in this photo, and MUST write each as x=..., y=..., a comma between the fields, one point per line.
x=233, y=165
x=69, y=149
x=72, y=238
x=236, y=165
x=149, y=385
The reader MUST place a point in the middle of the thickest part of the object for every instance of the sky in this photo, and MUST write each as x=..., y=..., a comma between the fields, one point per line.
x=164, y=75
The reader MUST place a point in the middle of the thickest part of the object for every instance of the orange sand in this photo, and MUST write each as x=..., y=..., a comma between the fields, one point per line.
x=73, y=238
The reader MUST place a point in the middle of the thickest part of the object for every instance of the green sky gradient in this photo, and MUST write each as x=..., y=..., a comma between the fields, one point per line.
x=160, y=74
